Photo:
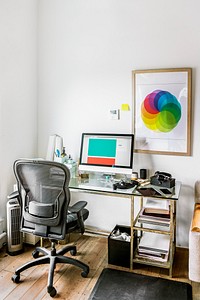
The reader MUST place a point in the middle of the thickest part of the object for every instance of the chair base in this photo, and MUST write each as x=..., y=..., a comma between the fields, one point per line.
x=52, y=257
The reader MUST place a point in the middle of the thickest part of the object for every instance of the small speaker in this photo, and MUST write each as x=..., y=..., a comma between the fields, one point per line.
x=143, y=173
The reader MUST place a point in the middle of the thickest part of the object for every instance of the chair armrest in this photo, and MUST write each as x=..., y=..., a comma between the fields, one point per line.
x=13, y=195
x=77, y=207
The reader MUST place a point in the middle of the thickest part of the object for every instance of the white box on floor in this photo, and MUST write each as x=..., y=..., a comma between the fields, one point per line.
x=31, y=239
x=3, y=237
x=1, y=225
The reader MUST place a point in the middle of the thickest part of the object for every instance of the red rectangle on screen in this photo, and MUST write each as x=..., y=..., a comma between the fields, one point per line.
x=101, y=161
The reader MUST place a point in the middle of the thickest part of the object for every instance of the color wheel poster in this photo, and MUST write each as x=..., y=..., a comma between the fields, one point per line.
x=162, y=109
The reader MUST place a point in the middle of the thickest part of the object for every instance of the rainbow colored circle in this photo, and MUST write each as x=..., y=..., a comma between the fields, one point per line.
x=160, y=111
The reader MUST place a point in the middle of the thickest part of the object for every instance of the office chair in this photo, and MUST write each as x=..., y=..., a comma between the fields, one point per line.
x=44, y=198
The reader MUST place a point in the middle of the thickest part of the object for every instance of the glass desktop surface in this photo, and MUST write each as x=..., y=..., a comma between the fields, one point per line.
x=98, y=185
x=106, y=186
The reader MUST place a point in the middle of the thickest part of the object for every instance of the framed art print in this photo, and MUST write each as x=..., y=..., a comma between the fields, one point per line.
x=162, y=109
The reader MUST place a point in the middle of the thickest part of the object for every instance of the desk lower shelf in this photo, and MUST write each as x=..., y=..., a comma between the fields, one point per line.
x=167, y=228
x=148, y=261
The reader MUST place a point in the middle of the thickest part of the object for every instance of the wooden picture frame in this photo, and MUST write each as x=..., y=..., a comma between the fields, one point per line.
x=162, y=111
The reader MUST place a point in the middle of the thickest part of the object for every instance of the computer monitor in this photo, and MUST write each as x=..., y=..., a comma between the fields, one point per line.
x=106, y=153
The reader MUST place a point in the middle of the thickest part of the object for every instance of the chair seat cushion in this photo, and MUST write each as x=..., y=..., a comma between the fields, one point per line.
x=196, y=218
x=72, y=218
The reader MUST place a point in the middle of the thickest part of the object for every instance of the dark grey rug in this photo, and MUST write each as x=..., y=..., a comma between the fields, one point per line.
x=119, y=285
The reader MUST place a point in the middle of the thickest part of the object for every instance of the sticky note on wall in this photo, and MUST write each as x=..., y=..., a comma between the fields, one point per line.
x=125, y=106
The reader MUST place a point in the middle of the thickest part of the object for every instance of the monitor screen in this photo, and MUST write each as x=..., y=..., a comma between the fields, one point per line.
x=107, y=153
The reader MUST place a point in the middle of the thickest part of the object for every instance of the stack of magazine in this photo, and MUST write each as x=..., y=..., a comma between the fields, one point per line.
x=155, y=246
x=155, y=212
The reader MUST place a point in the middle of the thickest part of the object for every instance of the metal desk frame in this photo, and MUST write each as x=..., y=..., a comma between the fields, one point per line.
x=77, y=184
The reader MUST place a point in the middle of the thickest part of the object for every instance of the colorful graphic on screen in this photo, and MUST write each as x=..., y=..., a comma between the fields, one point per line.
x=161, y=111
x=102, y=151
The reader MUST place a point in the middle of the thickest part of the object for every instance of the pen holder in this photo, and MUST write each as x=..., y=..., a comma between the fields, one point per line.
x=60, y=159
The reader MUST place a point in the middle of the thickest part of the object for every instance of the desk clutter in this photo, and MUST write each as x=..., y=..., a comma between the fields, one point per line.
x=144, y=187
x=161, y=184
x=57, y=152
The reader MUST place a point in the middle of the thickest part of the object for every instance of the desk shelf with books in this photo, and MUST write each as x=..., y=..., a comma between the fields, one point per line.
x=155, y=224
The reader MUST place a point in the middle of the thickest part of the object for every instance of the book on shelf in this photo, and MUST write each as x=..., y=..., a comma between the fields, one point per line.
x=156, y=206
x=155, y=227
x=152, y=222
x=152, y=218
x=153, y=256
x=156, y=242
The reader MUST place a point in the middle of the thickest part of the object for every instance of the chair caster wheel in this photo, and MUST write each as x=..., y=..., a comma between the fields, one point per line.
x=52, y=291
x=73, y=252
x=35, y=254
x=15, y=278
x=84, y=274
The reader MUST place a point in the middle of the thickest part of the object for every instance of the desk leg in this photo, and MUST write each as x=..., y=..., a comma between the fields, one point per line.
x=132, y=233
x=172, y=246
x=174, y=202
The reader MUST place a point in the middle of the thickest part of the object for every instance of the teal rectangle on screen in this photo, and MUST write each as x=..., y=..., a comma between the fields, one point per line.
x=102, y=147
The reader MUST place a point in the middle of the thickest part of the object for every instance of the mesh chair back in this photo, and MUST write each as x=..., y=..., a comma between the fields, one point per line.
x=44, y=197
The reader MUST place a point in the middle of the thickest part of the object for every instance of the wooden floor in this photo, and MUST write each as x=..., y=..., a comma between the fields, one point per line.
x=68, y=281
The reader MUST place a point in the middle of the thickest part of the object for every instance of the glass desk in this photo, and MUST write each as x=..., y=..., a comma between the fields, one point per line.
x=99, y=186
x=105, y=187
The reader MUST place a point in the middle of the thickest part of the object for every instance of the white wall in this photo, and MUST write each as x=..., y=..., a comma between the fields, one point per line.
x=87, y=50
x=18, y=88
